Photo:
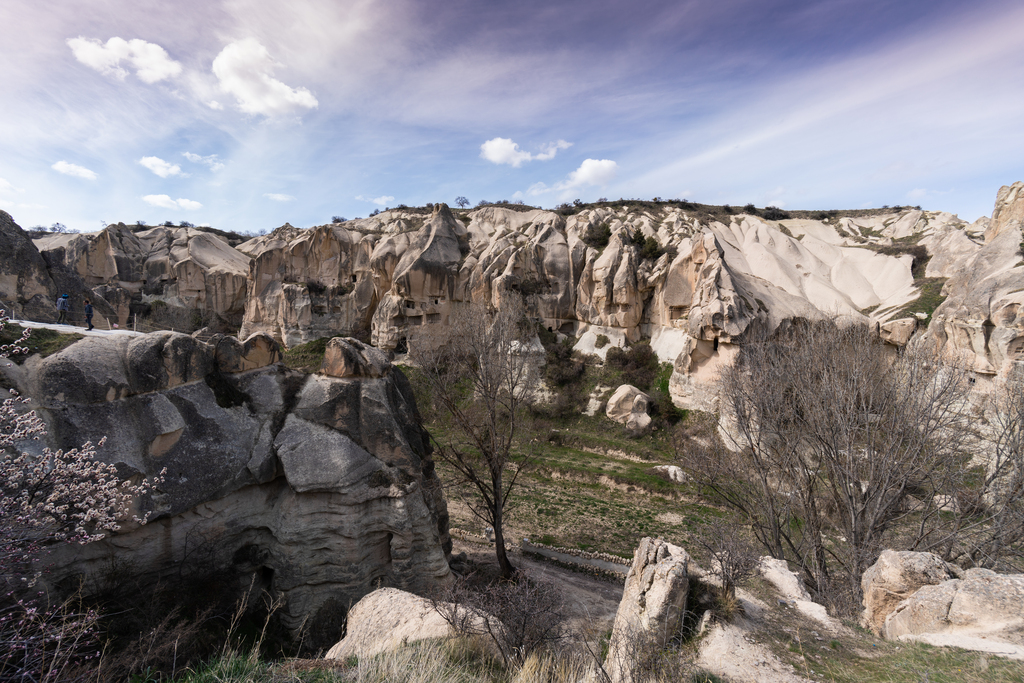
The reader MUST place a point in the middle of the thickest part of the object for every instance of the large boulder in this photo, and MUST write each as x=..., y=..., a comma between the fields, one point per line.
x=895, y=576
x=982, y=603
x=652, y=605
x=322, y=488
x=628, y=406
x=387, y=619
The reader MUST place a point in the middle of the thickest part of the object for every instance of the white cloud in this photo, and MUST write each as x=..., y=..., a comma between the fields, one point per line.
x=73, y=170
x=214, y=104
x=244, y=69
x=165, y=202
x=151, y=62
x=591, y=172
x=279, y=197
x=505, y=151
x=6, y=186
x=212, y=161
x=383, y=200
x=162, y=168
x=537, y=189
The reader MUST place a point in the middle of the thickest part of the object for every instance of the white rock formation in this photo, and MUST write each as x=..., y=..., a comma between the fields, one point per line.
x=628, y=406
x=652, y=605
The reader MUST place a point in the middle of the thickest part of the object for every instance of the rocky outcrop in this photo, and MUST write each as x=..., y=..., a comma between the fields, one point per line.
x=307, y=284
x=982, y=316
x=173, y=277
x=894, y=577
x=26, y=289
x=652, y=606
x=981, y=604
x=628, y=406
x=321, y=487
x=387, y=619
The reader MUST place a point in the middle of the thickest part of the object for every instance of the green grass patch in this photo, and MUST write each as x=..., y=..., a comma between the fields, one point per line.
x=41, y=342
x=307, y=357
x=930, y=299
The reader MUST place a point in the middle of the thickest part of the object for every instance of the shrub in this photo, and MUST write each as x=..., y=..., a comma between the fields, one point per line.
x=751, y=209
x=638, y=364
x=651, y=249
x=774, y=213
x=597, y=236
x=562, y=367
x=602, y=341
x=338, y=219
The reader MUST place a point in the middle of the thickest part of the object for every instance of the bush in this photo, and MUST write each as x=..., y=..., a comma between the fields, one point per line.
x=774, y=213
x=638, y=364
x=602, y=341
x=597, y=236
x=338, y=219
x=751, y=209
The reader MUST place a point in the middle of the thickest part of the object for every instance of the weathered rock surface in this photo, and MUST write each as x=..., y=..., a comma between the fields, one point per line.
x=387, y=278
x=321, y=487
x=983, y=314
x=628, y=406
x=171, y=277
x=652, y=605
x=894, y=577
x=26, y=289
x=981, y=605
x=387, y=619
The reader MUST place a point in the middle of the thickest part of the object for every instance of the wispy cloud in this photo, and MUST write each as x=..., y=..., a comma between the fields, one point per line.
x=165, y=202
x=7, y=186
x=73, y=170
x=244, y=70
x=279, y=197
x=505, y=151
x=211, y=160
x=160, y=167
x=383, y=200
x=150, y=61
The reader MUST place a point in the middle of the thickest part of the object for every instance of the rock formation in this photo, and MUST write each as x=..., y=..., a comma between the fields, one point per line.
x=320, y=486
x=696, y=283
x=387, y=619
x=628, y=406
x=26, y=288
x=894, y=577
x=180, y=278
x=652, y=606
x=917, y=596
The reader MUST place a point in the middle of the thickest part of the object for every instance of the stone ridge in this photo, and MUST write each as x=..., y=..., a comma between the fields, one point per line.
x=695, y=283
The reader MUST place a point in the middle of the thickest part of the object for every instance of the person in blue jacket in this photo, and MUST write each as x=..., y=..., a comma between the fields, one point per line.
x=63, y=308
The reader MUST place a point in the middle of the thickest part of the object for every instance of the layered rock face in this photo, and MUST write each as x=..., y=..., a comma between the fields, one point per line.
x=983, y=314
x=917, y=596
x=173, y=277
x=26, y=288
x=319, y=486
x=712, y=281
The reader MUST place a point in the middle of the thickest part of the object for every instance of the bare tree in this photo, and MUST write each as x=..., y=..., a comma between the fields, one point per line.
x=462, y=202
x=838, y=449
x=476, y=369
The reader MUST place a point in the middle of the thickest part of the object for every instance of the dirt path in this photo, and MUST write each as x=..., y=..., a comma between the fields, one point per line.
x=590, y=601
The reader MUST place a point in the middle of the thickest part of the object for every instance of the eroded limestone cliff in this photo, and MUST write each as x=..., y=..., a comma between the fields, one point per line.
x=320, y=486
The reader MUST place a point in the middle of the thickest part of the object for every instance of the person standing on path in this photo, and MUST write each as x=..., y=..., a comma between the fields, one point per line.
x=88, y=314
x=63, y=307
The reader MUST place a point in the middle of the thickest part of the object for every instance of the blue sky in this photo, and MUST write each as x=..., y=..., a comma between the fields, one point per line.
x=244, y=115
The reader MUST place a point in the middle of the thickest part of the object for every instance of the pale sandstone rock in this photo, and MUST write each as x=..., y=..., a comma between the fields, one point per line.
x=897, y=332
x=628, y=406
x=388, y=619
x=982, y=603
x=652, y=604
x=895, y=576
x=352, y=358
x=320, y=487
x=792, y=589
